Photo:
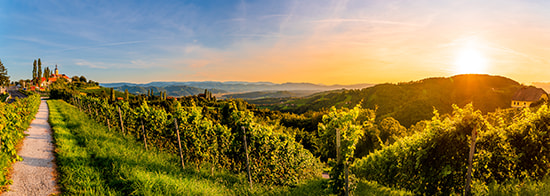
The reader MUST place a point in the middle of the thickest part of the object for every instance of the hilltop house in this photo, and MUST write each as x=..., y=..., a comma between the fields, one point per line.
x=53, y=78
x=525, y=96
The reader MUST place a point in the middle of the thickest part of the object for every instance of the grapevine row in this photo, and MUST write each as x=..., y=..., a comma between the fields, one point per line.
x=275, y=158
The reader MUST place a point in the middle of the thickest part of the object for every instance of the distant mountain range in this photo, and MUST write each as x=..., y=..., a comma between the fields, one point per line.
x=193, y=88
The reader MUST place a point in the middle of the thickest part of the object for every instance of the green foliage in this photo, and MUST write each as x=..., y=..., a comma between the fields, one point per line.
x=14, y=120
x=430, y=162
x=34, y=72
x=350, y=131
x=276, y=158
x=391, y=130
x=365, y=187
x=4, y=78
x=517, y=187
x=529, y=138
x=434, y=161
x=345, y=124
x=94, y=161
x=39, y=71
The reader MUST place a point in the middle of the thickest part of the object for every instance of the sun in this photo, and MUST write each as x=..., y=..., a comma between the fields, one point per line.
x=470, y=60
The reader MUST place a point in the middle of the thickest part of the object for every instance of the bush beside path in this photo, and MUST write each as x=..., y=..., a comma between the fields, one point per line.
x=35, y=174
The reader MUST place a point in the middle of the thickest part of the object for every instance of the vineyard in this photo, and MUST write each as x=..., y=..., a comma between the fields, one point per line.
x=14, y=120
x=364, y=155
x=434, y=161
x=274, y=157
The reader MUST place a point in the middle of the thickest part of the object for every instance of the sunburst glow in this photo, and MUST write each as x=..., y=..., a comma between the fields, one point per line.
x=470, y=60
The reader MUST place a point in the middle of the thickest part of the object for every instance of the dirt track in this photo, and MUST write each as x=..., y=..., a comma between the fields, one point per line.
x=34, y=175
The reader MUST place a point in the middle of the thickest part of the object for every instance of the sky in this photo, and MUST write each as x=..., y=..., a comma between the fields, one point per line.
x=317, y=41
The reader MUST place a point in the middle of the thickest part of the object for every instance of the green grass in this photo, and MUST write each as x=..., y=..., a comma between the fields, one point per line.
x=93, y=161
x=515, y=187
x=365, y=187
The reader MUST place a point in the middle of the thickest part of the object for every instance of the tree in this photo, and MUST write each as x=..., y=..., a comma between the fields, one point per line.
x=83, y=79
x=39, y=73
x=4, y=78
x=75, y=79
x=47, y=73
x=391, y=130
x=126, y=94
x=34, y=71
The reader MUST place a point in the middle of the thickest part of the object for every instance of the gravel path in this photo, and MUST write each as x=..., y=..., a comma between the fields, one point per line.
x=34, y=175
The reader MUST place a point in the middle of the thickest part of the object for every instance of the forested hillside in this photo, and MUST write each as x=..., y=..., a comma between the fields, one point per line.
x=270, y=94
x=411, y=102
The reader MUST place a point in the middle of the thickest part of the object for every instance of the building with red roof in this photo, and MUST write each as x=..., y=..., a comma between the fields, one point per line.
x=47, y=81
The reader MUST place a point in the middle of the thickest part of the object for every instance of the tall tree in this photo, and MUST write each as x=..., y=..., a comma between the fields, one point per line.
x=34, y=71
x=47, y=73
x=4, y=78
x=39, y=74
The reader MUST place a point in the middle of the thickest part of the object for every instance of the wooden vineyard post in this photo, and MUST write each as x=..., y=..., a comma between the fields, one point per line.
x=144, y=134
x=338, y=161
x=471, y=156
x=79, y=104
x=121, y=122
x=179, y=142
x=338, y=145
x=347, y=178
x=108, y=125
x=247, y=160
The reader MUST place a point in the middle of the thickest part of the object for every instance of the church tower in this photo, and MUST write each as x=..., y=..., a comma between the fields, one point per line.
x=56, y=71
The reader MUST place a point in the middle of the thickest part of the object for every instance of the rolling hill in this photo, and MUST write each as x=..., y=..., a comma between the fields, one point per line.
x=270, y=94
x=411, y=102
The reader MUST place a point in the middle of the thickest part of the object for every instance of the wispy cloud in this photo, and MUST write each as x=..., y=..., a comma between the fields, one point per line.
x=95, y=65
x=36, y=40
x=102, y=45
x=342, y=20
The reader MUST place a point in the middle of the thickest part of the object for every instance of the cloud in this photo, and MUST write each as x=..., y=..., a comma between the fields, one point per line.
x=342, y=20
x=36, y=40
x=103, y=45
x=96, y=65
